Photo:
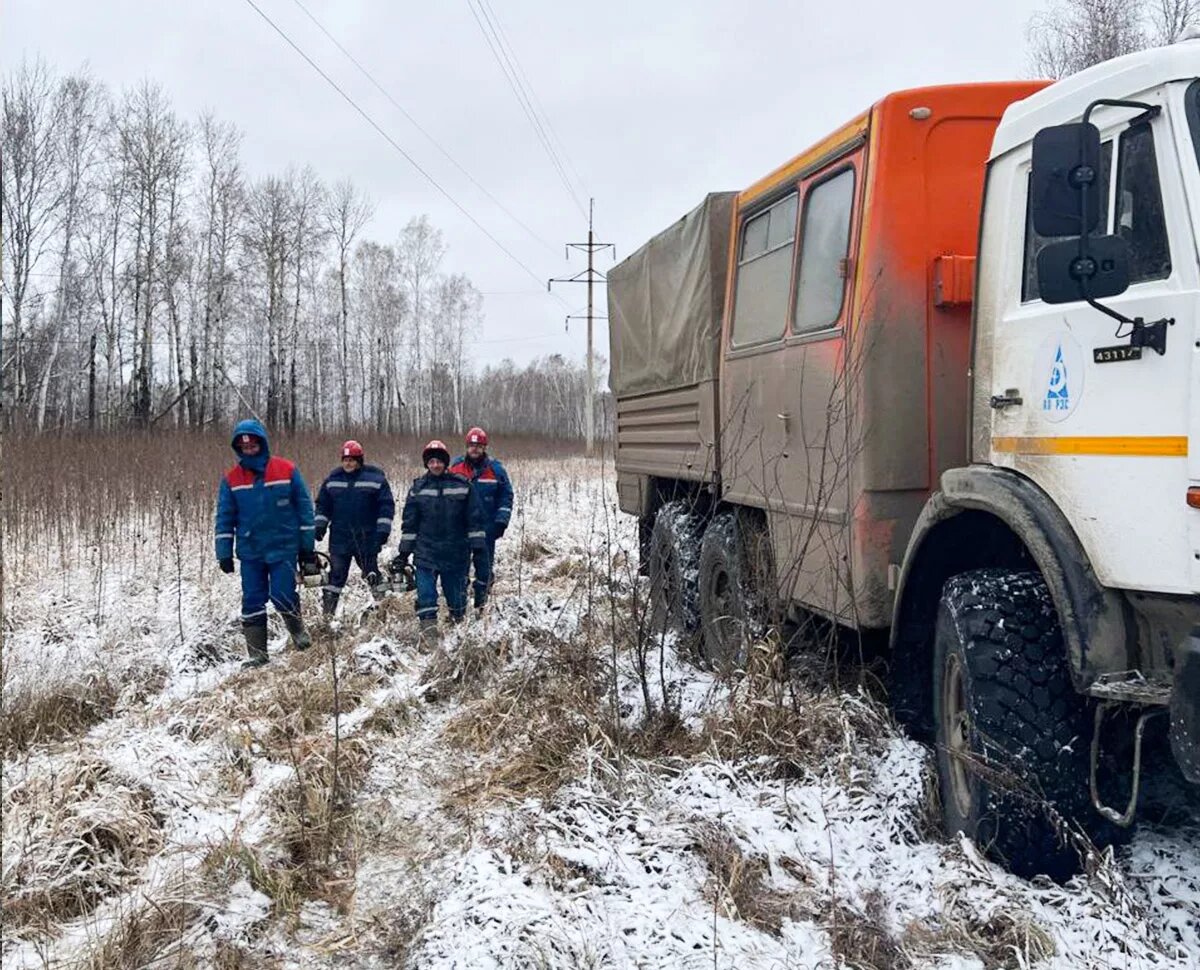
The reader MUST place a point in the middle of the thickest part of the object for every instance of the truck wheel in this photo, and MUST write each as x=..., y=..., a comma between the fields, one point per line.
x=674, y=557
x=1013, y=736
x=732, y=611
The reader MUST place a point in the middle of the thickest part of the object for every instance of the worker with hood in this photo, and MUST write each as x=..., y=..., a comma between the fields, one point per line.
x=442, y=523
x=265, y=514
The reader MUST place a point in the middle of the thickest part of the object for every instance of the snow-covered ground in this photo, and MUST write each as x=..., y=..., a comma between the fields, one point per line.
x=502, y=801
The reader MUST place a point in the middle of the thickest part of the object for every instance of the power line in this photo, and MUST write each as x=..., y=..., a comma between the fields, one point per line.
x=562, y=150
x=413, y=121
x=514, y=82
x=391, y=141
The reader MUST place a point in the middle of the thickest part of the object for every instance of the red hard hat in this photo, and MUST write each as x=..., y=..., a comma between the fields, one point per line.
x=435, y=449
x=352, y=449
x=477, y=436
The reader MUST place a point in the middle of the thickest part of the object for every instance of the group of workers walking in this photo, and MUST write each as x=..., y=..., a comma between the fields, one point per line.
x=452, y=517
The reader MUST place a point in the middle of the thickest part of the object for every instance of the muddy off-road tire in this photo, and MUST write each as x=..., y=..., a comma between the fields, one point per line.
x=1013, y=736
x=674, y=560
x=733, y=609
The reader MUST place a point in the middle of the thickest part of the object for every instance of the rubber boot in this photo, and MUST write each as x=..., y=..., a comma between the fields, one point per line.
x=428, y=637
x=295, y=626
x=256, y=647
x=329, y=602
x=378, y=586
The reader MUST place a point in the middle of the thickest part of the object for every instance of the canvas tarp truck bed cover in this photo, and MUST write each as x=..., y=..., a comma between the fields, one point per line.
x=665, y=304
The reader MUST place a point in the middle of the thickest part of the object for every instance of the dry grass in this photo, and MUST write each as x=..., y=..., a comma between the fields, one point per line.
x=463, y=669
x=63, y=710
x=861, y=940
x=72, y=839
x=152, y=932
x=1008, y=939
x=803, y=728
x=397, y=929
x=737, y=884
x=281, y=882
x=314, y=813
x=290, y=698
x=533, y=722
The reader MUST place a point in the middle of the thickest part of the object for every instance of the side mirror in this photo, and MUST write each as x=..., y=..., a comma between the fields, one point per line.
x=1064, y=276
x=1066, y=160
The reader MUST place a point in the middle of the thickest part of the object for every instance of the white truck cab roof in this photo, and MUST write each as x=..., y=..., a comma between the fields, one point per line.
x=1067, y=99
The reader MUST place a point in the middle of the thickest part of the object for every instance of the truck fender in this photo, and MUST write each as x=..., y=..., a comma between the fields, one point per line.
x=1096, y=623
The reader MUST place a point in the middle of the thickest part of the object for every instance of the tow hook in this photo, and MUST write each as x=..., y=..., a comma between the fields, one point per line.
x=1123, y=819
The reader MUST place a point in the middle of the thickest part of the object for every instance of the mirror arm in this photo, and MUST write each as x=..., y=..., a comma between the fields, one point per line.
x=1149, y=111
x=1108, y=311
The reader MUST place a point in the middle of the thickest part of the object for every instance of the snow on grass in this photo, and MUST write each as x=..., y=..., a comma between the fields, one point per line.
x=493, y=806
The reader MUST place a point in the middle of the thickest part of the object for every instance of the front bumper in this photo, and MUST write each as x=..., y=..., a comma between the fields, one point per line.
x=1185, y=707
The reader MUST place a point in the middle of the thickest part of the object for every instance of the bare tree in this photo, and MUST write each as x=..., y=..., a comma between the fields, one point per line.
x=421, y=250
x=460, y=313
x=77, y=104
x=1169, y=19
x=136, y=259
x=155, y=145
x=32, y=196
x=346, y=213
x=1075, y=34
x=308, y=238
x=221, y=200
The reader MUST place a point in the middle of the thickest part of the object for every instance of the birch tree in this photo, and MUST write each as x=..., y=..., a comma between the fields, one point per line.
x=347, y=211
x=32, y=199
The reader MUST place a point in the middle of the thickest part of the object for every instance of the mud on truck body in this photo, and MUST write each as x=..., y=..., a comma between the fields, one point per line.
x=935, y=380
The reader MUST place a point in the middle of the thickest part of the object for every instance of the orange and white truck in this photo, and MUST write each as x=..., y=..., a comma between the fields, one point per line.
x=934, y=380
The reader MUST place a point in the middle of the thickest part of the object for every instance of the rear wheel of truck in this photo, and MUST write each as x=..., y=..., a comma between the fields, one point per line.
x=674, y=561
x=1013, y=736
x=732, y=610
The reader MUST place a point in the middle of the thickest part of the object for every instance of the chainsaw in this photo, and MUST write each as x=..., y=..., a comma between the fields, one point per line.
x=404, y=581
x=316, y=573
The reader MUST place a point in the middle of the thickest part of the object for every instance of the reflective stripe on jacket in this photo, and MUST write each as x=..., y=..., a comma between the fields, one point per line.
x=357, y=507
x=442, y=521
x=495, y=489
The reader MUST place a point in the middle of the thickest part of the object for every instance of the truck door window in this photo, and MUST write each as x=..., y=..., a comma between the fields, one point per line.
x=764, y=274
x=1035, y=243
x=1192, y=103
x=1139, y=207
x=824, y=248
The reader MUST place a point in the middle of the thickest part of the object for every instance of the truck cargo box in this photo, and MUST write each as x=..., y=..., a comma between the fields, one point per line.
x=665, y=304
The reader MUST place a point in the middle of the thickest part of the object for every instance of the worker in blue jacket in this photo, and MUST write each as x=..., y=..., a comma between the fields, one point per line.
x=443, y=521
x=495, y=490
x=355, y=504
x=264, y=507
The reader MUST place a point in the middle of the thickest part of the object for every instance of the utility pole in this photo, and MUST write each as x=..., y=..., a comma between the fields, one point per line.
x=589, y=276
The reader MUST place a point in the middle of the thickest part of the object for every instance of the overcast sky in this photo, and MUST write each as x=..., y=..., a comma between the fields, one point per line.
x=656, y=102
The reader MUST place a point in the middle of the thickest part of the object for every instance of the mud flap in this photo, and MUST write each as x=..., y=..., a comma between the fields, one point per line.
x=1185, y=708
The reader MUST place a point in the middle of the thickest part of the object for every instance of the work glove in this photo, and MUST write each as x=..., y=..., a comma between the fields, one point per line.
x=319, y=533
x=498, y=530
x=226, y=565
x=399, y=564
x=306, y=558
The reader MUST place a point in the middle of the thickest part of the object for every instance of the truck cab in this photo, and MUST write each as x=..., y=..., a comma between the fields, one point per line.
x=1083, y=402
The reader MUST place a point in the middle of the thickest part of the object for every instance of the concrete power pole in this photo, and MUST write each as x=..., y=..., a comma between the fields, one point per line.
x=590, y=276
